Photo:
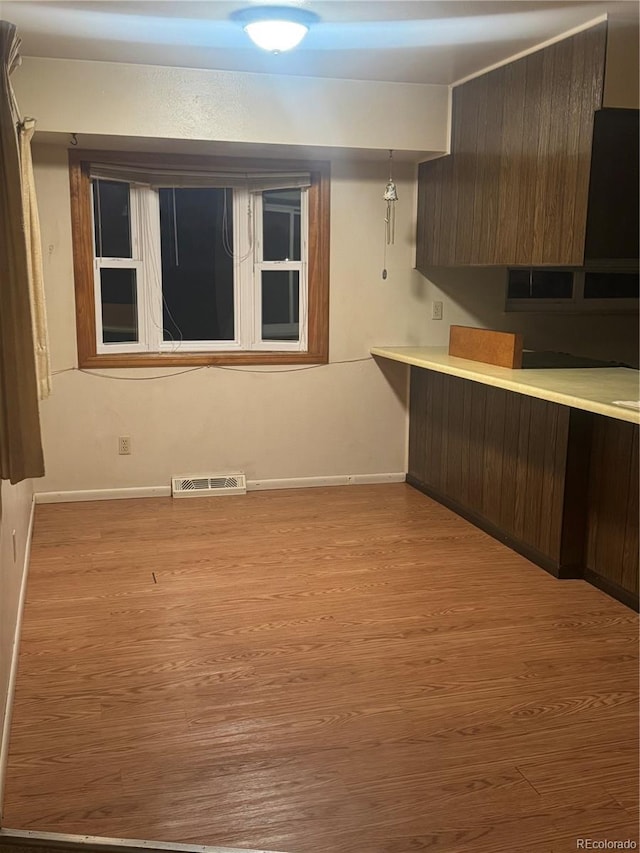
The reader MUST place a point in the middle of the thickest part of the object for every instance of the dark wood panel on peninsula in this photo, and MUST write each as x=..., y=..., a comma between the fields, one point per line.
x=531, y=473
x=612, y=534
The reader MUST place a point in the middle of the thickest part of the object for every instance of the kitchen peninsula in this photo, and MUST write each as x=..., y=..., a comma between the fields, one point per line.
x=543, y=459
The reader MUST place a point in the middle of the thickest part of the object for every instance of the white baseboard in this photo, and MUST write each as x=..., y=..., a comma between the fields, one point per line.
x=103, y=494
x=15, y=654
x=252, y=486
x=337, y=480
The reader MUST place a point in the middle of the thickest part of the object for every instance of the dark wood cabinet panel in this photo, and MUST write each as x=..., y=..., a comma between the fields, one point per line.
x=557, y=484
x=612, y=536
x=612, y=223
x=496, y=455
x=512, y=202
x=514, y=189
x=464, y=142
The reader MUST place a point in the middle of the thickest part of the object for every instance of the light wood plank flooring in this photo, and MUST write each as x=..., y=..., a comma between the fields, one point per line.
x=344, y=670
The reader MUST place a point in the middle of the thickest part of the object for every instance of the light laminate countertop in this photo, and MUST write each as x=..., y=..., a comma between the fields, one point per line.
x=590, y=389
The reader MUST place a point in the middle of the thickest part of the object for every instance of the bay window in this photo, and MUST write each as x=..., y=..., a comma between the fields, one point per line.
x=199, y=262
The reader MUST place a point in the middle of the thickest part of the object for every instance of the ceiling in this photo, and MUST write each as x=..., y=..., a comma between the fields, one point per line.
x=414, y=41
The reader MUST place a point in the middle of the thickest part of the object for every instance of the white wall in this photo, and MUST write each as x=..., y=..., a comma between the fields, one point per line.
x=476, y=297
x=75, y=96
x=327, y=420
x=330, y=420
x=15, y=511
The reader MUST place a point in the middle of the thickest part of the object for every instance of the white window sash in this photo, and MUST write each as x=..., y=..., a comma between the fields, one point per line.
x=141, y=345
x=136, y=263
x=248, y=267
x=152, y=252
x=200, y=346
x=148, y=206
x=260, y=343
x=301, y=266
x=244, y=240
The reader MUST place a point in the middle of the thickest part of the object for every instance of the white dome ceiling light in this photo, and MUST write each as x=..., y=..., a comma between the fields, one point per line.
x=275, y=28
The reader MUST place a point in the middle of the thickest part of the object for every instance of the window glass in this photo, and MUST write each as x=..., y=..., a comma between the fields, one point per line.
x=281, y=225
x=118, y=294
x=280, y=305
x=111, y=219
x=196, y=227
x=540, y=284
x=611, y=285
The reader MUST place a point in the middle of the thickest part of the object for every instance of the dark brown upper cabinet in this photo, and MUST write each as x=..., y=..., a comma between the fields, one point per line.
x=515, y=189
x=612, y=216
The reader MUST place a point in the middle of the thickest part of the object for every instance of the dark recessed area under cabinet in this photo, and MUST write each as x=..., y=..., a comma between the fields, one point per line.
x=555, y=483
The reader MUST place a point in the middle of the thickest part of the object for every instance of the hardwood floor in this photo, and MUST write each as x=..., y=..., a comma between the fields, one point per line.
x=334, y=670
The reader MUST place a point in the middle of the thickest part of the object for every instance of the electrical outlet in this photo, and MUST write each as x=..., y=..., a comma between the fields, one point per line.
x=124, y=445
x=436, y=310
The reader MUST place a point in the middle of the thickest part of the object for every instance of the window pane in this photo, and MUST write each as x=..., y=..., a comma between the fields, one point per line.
x=519, y=284
x=280, y=305
x=281, y=225
x=611, y=285
x=111, y=219
x=119, y=306
x=197, y=265
x=540, y=284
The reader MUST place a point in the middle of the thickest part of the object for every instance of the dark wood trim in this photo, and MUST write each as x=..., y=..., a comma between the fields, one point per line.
x=319, y=252
x=81, y=229
x=199, y=359
x=82, y=240
x=613, y=589
x=558, y=571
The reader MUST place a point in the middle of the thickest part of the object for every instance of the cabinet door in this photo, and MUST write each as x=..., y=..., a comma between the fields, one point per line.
x=514, y=189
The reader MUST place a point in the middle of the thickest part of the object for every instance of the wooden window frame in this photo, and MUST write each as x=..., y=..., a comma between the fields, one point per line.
x=317, y=351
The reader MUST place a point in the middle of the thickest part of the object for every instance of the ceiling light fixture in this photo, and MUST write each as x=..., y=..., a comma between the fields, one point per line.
x=275, y=28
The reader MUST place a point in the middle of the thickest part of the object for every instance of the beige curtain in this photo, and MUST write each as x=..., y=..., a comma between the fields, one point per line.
x=34, y=260
x=20, y=443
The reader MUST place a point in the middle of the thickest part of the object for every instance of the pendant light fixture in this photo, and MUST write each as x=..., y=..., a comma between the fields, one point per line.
x=275, y=28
